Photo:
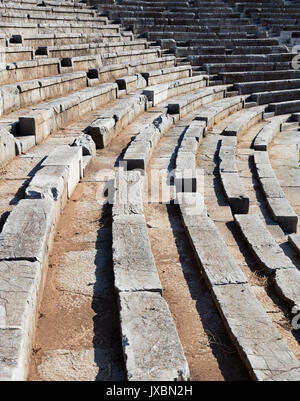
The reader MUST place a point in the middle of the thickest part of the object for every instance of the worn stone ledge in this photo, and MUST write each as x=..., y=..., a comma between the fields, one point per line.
x=279, y=206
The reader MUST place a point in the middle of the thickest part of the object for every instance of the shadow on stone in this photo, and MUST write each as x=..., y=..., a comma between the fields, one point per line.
x=222, y=348
x=108, y=354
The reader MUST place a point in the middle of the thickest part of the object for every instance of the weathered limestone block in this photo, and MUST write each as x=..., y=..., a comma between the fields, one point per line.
x=102, y=131
x=269, y=131
x=19, y=286
x=196, y=130
x=245, y=121
x=71, y=158
x=261, y=242
x=150, y=341
x=128, y=193
x=150, y=134
x=87, y=144
x=116, y=118
x=294, y=239
x=210, y=250
x=49, y=183
x=137, y=155
x=7, y=147
x=185, y=178
x=287, y=282
x=38, y=123
x=283, y=213
x=134, y=265
x=259, y=343
x=12, y=355
x=27, y=230
x=235, y=192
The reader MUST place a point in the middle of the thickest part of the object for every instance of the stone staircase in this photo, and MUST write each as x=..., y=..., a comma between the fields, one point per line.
x=136, y=139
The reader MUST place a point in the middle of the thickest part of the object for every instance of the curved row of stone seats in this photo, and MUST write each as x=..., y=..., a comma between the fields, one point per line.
x=106, y=65
x=43, y=3
x=266, y=86
x=203, y=60
x=183, y=51
x=283, y=273
x=185, y=177
x=169, y=37
x=190, y=102
x=213, y=113
x=26, y=240
x=140, y=150
x=28, y=70
x=12, y=28
x=145, y=318
x=251, y=54
x=58, y=39
x=46, y=11
x=268, y=132
x=290, y=106
x=27, y=93
x=235, y=192
x=280, y=19
x=53, y=115
x=134, y=59
x=246, y=321
x=40, y=19
x=280, y=208
x=158, y=93
x=216, y=68
x=261, y=76
x=115, y=119
x=99, y=74
x=274, y=96
x=244, y=122
x=197, y=28
x=83, y=49
x=21, y=53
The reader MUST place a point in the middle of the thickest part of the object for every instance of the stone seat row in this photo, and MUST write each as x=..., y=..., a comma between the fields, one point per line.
x=19, y=53
x=24, y=28
x=57, y=39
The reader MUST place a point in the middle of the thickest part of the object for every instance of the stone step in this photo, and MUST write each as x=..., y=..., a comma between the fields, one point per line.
x=271, y=257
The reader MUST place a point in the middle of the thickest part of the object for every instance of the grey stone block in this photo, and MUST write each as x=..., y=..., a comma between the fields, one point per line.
x=148, y=335
x=48, y=183
x=12, y=351
x=134, y=265
x=283, y=213
x=7, y=147
x=294, y=239
x=219, y=267
x=71, y=158
x=259, y=343
x=235, y=192
x=128, y=193
x=26, y=232
x=87, y=144
x=263, y=245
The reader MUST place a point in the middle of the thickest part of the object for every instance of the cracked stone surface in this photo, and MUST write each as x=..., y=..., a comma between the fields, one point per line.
x=148, y=336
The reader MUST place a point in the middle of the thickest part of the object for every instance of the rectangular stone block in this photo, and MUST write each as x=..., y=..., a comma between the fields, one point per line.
x=262, y=244
x=134, y=265
x=27, y=231
x=7, y=147
x=148, y=336
x=71, y=158
x=259, y=343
